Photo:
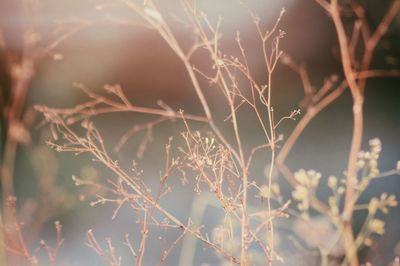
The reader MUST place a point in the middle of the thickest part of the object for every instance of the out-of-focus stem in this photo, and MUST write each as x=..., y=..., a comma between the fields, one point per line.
x=19, y=87
x=358, y=100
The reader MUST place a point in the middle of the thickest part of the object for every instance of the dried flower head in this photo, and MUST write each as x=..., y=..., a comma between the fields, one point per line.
x=377, y=226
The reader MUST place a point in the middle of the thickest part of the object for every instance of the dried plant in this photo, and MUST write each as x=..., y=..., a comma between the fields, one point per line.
x=217, y=163
x=17, y=245
x=21, y=64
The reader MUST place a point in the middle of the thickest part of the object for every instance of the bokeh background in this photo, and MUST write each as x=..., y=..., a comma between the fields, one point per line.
x=138, y=59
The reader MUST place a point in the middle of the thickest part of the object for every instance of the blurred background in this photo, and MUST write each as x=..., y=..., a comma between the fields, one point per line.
x=96, y=51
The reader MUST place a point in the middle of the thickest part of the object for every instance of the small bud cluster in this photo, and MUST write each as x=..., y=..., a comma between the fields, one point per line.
x=337, y=193
x=370, y=159
x=307, y=184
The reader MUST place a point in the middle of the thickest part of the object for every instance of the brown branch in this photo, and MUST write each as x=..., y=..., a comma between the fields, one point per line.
x=305, y=120
x=372, y=41
x=358, y=100
x=377, y=73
